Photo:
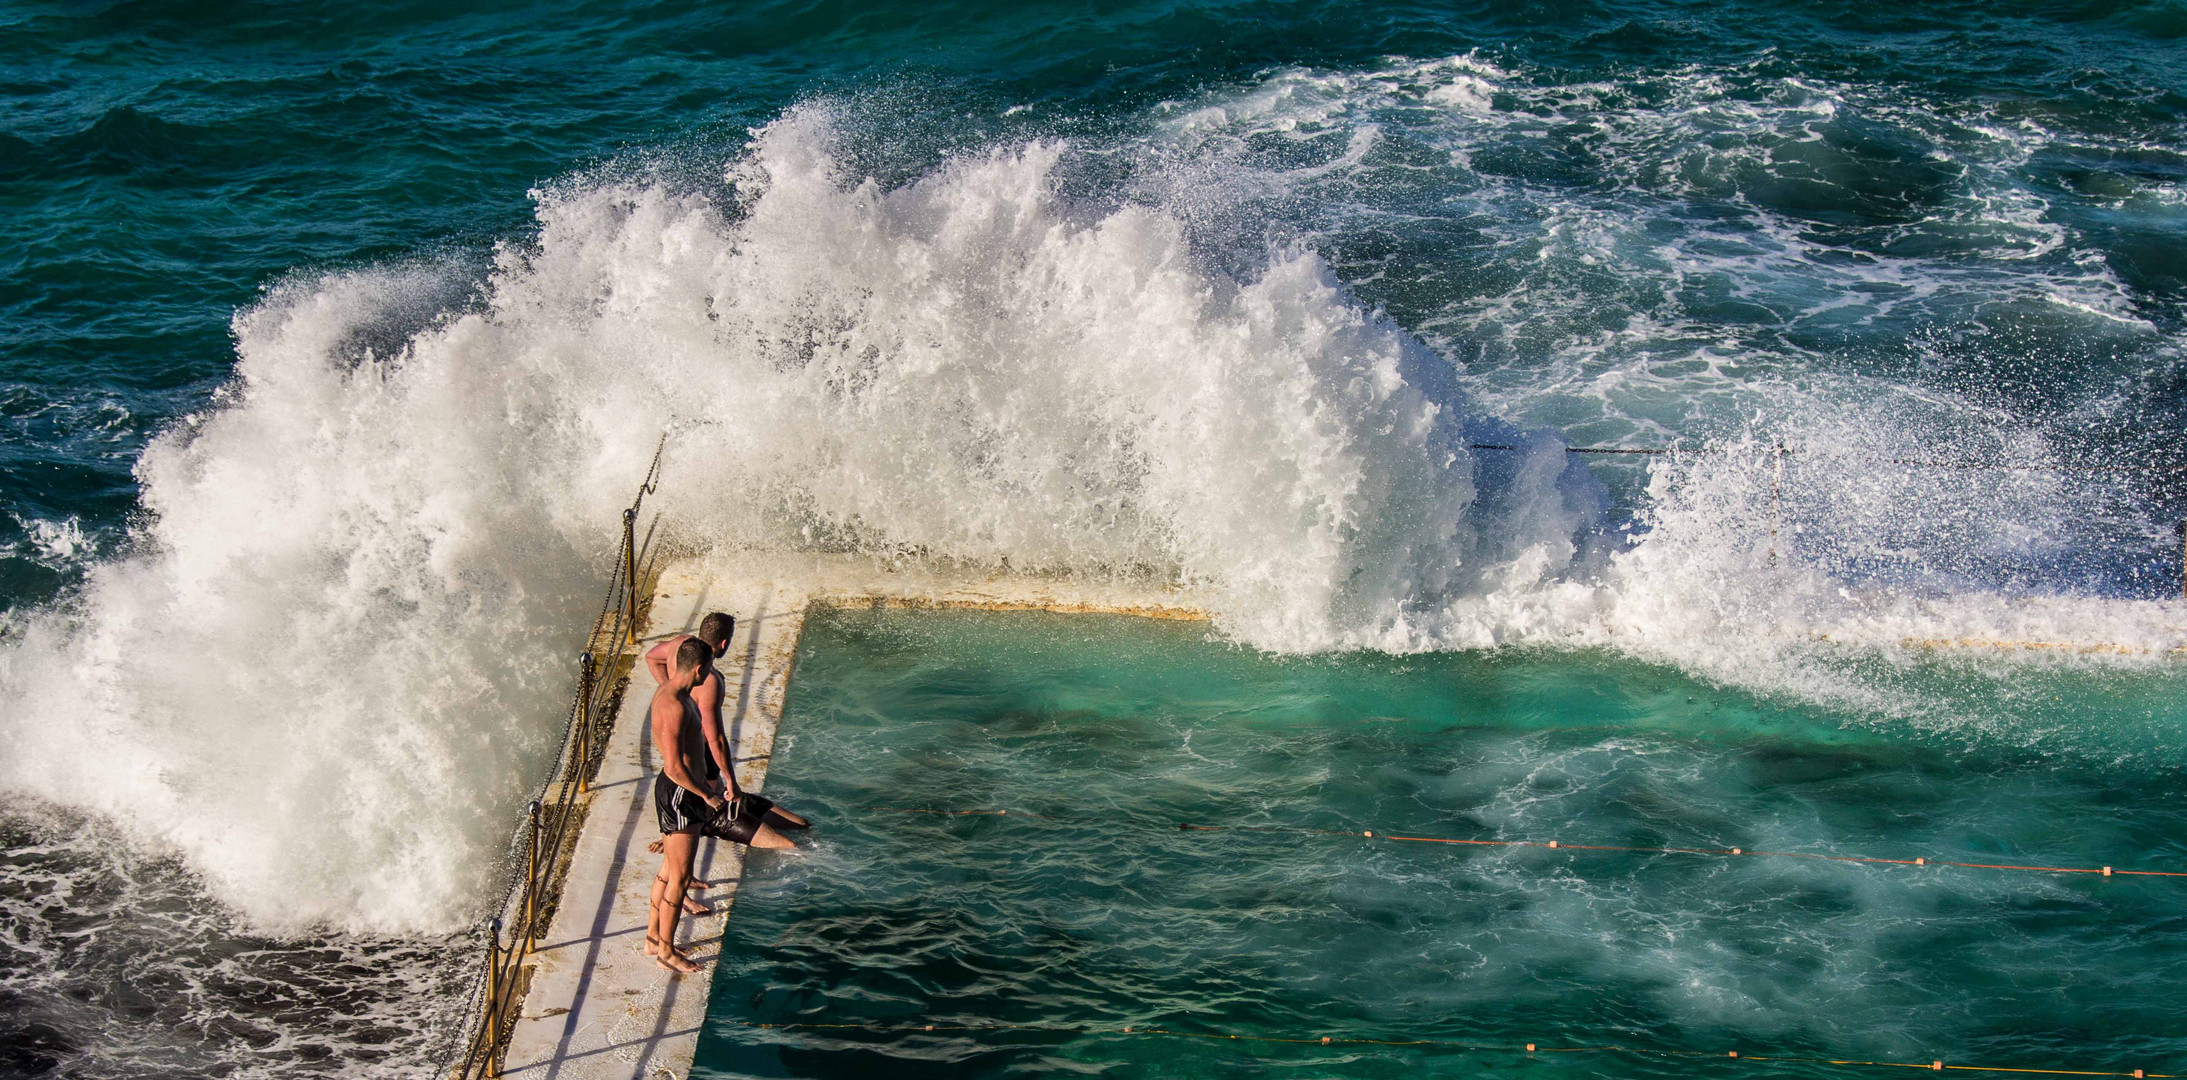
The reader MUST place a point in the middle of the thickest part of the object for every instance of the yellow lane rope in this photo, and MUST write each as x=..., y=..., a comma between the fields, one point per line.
x=1558, y=845
x=1919, y=860
x=1529, y=1048
x=1440, y=1044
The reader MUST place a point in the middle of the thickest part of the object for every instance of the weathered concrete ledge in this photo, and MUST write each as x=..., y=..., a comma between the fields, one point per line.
x=596, y=1007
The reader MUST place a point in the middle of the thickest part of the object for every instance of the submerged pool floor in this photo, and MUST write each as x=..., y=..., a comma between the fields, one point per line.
x=1100, y=913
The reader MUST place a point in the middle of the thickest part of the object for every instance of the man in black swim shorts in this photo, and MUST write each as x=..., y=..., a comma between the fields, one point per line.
x=684, y=802
x=757, y=820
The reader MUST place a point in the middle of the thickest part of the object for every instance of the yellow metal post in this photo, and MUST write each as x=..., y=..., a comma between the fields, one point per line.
x=493, y=997
x=630, y=571
x=584, y=723
x=531, y=890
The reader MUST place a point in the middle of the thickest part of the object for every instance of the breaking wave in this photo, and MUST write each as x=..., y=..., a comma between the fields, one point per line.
x=331, y=652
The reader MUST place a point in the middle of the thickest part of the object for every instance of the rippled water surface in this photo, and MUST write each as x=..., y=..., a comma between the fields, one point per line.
x=1100, y=913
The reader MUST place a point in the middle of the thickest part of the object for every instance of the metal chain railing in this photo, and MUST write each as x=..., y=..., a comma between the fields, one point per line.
x=544, y=840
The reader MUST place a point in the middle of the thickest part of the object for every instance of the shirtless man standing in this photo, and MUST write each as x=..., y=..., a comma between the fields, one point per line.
x=758, y=821
x=683, y=801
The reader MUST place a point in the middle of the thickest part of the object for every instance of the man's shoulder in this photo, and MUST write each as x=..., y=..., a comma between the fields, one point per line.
x=665, y=697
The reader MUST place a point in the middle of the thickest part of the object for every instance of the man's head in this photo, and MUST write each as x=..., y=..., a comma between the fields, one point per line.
x=716, y=629
x=692, y=659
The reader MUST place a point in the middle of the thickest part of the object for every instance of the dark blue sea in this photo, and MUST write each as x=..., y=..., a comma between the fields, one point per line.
x=1820, y=359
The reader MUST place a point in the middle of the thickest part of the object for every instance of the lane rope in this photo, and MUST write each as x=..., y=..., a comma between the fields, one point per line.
x=1919, y=860
x=1558, y=845
x=1526, y=1049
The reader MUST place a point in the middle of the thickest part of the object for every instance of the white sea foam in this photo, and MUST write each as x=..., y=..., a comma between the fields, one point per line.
x=53, y=544
x=334, y=664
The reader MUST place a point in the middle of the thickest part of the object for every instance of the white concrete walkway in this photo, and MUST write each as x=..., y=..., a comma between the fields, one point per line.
x=597, y=1007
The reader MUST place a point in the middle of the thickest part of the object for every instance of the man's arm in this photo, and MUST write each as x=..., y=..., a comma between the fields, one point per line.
x=656, y=660
x=668, y=719
x=707, y=695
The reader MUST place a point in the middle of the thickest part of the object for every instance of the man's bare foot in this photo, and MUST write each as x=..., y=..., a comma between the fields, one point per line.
x=652, y=947
x=676, y=961
x=691, y=906
x=695, y=883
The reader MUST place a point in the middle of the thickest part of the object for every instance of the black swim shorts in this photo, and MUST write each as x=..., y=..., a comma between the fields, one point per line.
x=740, y=820
x=679, y=809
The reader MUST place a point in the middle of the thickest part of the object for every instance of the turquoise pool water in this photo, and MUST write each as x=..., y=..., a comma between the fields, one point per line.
x=1102, y=914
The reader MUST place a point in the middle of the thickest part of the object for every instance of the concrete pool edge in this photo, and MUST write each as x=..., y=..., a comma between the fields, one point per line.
x=594, y=1006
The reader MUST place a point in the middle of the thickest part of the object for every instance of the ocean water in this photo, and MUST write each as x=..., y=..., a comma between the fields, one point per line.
x=1084, y=909
x=333, y=337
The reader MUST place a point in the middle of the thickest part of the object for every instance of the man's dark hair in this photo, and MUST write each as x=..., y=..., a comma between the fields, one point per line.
x=717, y=628
x=692, y=653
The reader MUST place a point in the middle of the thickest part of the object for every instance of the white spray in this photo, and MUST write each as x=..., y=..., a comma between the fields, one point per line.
x=338, y=656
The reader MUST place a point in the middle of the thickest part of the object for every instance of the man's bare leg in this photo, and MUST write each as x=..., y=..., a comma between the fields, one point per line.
x=677, y=851
x=653, y=913
x=766, y=837
x=783, y=819
x=692, y=904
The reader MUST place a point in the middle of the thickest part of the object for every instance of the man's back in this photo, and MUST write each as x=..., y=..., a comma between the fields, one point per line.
x=676, y=730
